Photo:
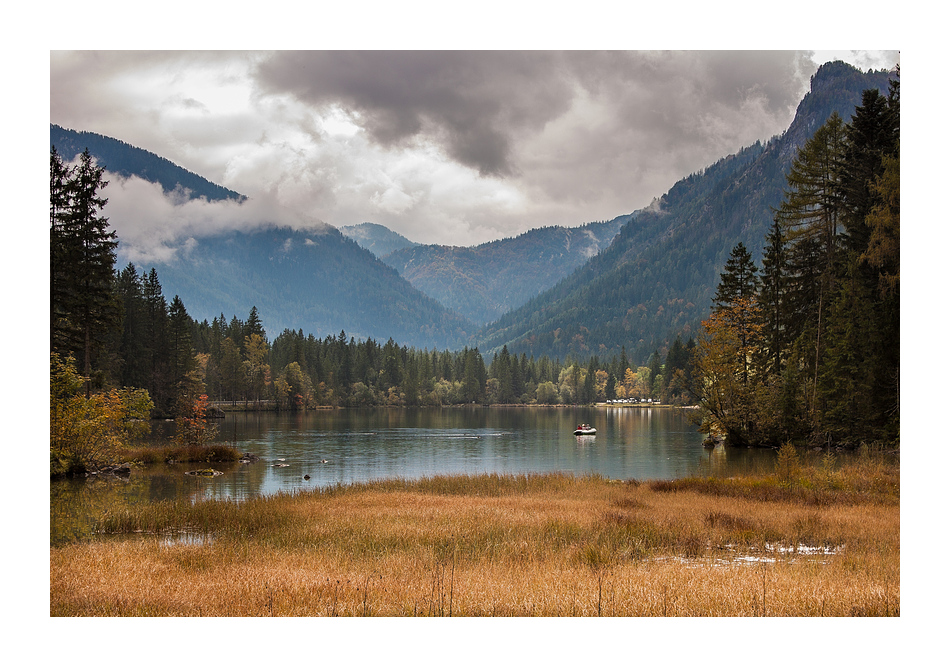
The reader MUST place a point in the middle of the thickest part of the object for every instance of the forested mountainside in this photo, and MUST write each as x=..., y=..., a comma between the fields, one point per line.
x=483, y=282
x=657, y=279
x=126, y=160
x=320, y=282
x=378, y=239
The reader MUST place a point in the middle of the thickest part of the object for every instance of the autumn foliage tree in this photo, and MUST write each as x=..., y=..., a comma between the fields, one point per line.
x=87, y=433
x=725, y=384
x=192, y=428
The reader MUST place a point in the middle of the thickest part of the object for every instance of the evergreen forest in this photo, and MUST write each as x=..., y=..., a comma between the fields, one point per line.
x=808, y=347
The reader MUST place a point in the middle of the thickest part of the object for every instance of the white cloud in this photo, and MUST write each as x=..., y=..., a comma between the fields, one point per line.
x=455, y=148
x=863, y=60
x=153, y=226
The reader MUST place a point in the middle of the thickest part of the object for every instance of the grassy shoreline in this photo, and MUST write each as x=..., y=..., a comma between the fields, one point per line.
x=803, y=541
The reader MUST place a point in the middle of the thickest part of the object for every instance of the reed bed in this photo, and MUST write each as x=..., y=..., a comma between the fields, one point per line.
x=171, y=452
x=495, y=545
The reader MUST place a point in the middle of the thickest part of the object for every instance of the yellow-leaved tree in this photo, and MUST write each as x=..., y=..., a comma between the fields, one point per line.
x=89, y=433
x=724, y=377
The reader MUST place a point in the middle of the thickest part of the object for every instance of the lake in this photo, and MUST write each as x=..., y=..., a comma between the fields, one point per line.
x=356, y=445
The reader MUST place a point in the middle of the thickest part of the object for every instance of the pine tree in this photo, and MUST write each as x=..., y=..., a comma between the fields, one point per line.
x=846, y=387
x=392, y=374
x=735, y=300
x=132, y=344
x=410, y=383
x=773, y=301
x=810, y=216
x=97, y=313
x=83, y=310
x=674, y=372
x=182, y=355
x=155, y=329
x=871, y=136
x=623, y=364
x=812, y=206
x=738, y=281
x=883, y=257
x=253, y=324
x=232, y=370
x=589, y=389
x=62, y=249
x=474, y=376
x=656, y=372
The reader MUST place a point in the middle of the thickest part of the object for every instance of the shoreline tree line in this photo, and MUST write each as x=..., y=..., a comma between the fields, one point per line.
x=808, y=348
x=162, y=349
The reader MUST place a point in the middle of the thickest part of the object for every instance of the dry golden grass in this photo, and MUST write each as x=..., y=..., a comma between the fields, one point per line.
x=547, y=545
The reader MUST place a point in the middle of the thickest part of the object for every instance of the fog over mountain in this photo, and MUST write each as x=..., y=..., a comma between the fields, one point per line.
x=182, y=228
x=456, y=148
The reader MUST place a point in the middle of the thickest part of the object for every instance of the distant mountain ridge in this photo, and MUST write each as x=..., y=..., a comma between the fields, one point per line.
x=127, y=160
x=484, y=282
x=319, y=282
x=378, y=239
x=656, y=280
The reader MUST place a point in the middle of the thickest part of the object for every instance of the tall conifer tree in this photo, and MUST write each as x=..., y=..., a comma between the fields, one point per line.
x=773, y=301
x=871, y=136
x=61, y=247
x=735, y=302
x=810, y=215
x=132, y=343
x=84, y=312
x=738, y=281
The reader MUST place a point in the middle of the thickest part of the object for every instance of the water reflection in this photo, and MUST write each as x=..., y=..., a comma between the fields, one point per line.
x=328, y=447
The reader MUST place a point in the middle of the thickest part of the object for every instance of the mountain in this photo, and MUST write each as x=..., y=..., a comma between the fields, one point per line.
x=127, y=160
x=483, y=282
x=317, y=281
x=378, y=239
x=657, y=279
x=654, y=281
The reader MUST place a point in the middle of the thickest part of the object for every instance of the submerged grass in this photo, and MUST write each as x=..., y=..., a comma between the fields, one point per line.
x=498, y=545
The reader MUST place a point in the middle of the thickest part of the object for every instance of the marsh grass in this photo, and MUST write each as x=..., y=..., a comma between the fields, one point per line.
x=496, y=545
x=177, y=453
x=865, y=480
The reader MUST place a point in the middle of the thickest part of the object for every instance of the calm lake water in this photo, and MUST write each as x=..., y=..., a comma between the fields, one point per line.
x=346, y=446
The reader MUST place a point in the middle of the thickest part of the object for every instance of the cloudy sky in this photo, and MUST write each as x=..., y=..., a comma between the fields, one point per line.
x=457, y=147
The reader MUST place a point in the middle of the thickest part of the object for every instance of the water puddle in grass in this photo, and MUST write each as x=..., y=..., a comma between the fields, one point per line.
x=186, y=538
x=774, y=553
x=166, y=539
